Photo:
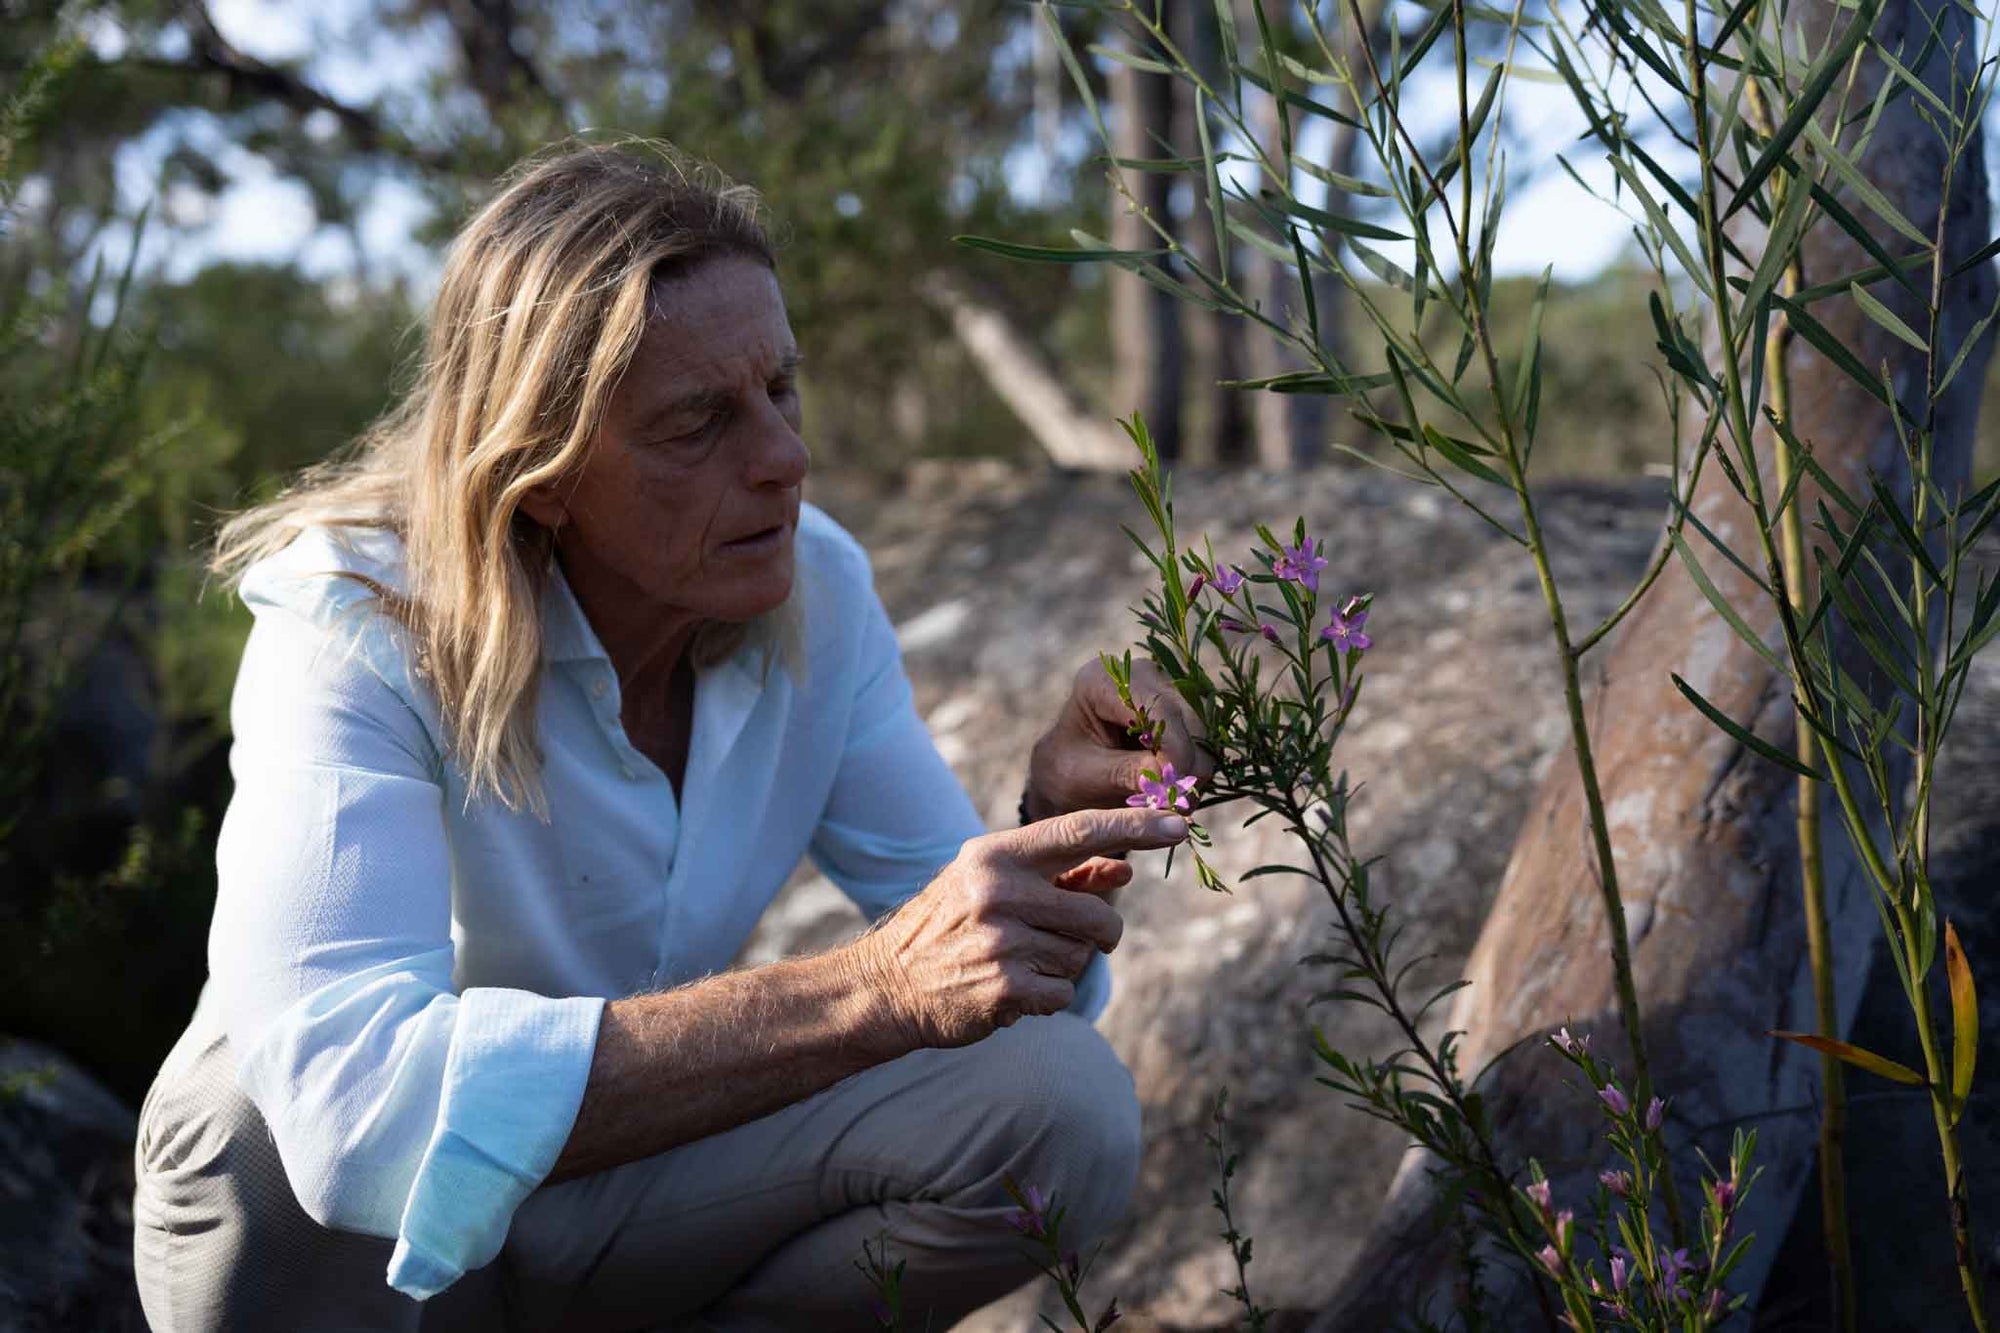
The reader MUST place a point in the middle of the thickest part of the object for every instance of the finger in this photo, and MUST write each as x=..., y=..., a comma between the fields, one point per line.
x=1034, y=993
x=1060, y=956
x=1100, y=874
x=1050, y=911
x=1051, y=846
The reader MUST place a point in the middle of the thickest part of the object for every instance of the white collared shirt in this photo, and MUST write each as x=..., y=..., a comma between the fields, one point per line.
x=412, y=986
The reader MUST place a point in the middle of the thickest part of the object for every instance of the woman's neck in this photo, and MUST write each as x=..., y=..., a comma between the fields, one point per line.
x=645, y=640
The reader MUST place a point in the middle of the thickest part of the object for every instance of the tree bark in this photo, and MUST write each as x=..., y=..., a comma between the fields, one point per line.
x=1702, y=829
x=1146, y=330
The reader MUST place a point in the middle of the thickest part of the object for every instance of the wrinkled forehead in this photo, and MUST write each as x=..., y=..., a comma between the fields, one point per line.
x=713, y=327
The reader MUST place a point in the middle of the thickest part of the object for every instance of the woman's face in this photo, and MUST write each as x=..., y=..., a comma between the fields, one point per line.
x=690, y=496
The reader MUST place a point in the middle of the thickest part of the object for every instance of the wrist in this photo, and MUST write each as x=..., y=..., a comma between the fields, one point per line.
x=878, y=1008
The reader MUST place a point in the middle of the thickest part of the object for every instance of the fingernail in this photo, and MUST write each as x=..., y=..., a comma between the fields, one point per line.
x=1169, y=826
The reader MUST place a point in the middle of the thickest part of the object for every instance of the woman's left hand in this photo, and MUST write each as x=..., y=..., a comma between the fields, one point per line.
x=1089, y=759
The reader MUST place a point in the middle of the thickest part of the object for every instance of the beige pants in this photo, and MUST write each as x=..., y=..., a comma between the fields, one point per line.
x=756, y=1228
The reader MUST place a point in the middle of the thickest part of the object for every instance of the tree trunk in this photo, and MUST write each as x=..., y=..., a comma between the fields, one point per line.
x=1291, y=429
x=1071, y=433
x=1701, y=828
x=1219, y=425
x=1145, y=321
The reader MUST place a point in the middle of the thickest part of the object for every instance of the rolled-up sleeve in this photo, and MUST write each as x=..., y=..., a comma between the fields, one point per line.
x=401, y=1108
x=897, y=813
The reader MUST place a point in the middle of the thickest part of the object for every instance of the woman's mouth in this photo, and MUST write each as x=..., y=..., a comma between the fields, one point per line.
x=756, y=541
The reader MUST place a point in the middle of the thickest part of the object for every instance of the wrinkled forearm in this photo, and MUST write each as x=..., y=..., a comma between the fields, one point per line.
x=677, y=1066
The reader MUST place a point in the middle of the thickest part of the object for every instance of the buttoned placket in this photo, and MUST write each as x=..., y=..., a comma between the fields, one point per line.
x=635, y=768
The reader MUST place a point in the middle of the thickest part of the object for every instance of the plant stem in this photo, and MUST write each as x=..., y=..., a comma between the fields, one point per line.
x=1812, y=858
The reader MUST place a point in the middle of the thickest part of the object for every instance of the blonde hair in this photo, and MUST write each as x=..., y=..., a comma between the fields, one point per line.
x=544, y=297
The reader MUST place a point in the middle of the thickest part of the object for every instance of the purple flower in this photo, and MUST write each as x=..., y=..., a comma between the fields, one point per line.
x=1611, y=1097
x=1194, y=589
x=1344, y=631
x=1268, y=632
x=1725, y=1194
x=1564, y=1221
x=1620, y=1274
x=1551, y=1260
x=1569, y=1045
x=1301, y=564
x=1227, y=581
x=1656, y=1111
x=1539, y=1192
x=1618, y=1182
x=1031, y=1218
x=1232, y=624
x=1673, y=1267
x=1169, y=791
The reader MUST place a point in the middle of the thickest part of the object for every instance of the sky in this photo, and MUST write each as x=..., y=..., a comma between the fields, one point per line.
x=1549, y=222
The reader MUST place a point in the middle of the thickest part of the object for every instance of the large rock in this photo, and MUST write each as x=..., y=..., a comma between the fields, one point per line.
x=65, y=1199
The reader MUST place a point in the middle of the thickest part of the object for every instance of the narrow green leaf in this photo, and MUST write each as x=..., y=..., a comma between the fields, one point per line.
x=1886, y=317
x=1863, y=188
x=1345, y=184
x=1077, y=78
x=1319, y=217
x=1258, y=79
x=1855, y=1056
x=1457, y=451
x=1053, y=254
x=1130, y=59
x=1818, y=83
x=1163, y=165
x=1696, y=271
x=1833, y=349
x=1743, y=736
x=1723, y=608
x=1980, y=256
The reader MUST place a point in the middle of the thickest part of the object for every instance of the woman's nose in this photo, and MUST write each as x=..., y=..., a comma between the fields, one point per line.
x=780, y=457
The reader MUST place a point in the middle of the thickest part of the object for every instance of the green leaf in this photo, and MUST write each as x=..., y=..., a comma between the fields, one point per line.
x=1855, y=1056
x=1130, y=59
x=1060, y=40
x=1817, y=85
x=1742, y=734
x=1886, y=317
x=1319, y=217
x=1306, y=104
x=1724, y=609
x=1833, y=349
x=1345, y=184
x=1461, y=455
x=1053, y=254
x=1863, y=188
x=1696, y=272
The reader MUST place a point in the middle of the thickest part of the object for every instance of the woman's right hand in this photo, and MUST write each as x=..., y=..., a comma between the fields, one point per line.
x=1007, y=927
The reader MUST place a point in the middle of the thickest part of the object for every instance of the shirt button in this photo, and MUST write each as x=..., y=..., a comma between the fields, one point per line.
x=597, y=690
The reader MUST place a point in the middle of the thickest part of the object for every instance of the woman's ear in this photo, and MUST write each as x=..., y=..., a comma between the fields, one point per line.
x=543, y=505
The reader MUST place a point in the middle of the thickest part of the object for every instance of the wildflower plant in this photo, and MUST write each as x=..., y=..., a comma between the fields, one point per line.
x=1039, y=1221
x=1737, y=133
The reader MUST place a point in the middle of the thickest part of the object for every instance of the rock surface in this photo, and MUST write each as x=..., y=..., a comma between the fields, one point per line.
x=65, y=1198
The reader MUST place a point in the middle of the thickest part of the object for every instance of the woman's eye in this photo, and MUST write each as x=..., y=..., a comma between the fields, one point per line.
x=783, y=388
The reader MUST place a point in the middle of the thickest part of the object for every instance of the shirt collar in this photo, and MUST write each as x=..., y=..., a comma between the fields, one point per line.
x=566, y=632
x=725, y=694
